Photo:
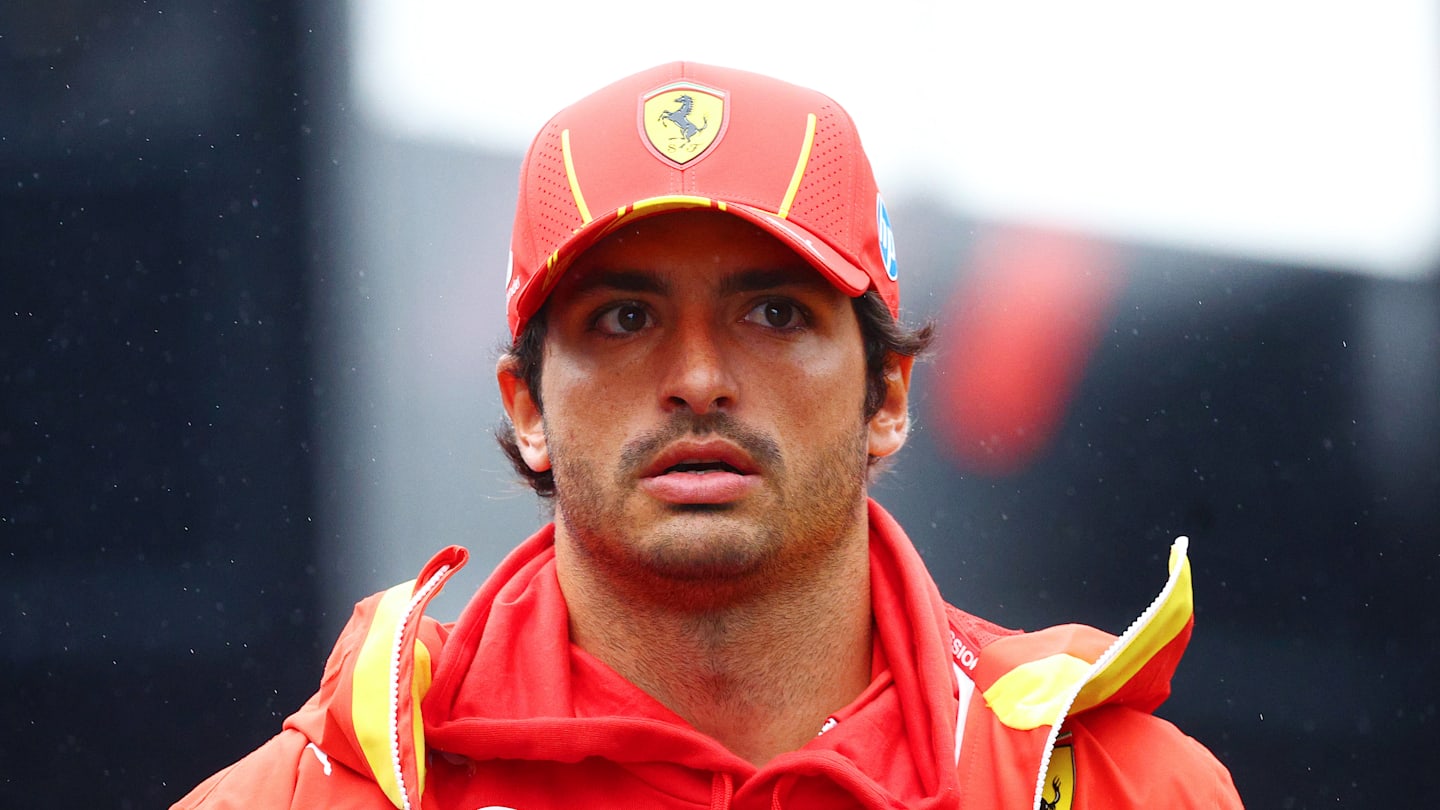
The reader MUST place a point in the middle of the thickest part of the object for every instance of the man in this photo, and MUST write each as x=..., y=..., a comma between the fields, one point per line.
x=707, y=363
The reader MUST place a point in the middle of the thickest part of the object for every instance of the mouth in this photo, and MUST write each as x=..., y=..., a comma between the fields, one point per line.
x=691, y=473
x=701, y=458
x=700, y=468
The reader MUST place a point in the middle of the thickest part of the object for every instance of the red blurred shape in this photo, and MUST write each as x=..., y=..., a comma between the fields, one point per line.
x=1016, y=339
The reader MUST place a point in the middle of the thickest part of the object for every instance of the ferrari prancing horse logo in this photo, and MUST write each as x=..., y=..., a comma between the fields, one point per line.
x=1060, y=780
x=682, y=120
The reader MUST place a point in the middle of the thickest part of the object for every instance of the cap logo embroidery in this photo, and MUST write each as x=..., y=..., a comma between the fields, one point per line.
x=682, y=120
x=887, y=240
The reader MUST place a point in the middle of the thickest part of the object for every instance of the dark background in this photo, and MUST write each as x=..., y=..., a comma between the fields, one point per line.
x=154, y=472
x=159, y=257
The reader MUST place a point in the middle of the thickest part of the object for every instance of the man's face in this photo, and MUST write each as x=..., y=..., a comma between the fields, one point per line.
x=703, y=392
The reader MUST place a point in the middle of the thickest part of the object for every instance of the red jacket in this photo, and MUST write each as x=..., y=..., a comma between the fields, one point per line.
x=499, y=710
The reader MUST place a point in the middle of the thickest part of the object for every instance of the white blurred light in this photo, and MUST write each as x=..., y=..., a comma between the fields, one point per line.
x=1287, y=130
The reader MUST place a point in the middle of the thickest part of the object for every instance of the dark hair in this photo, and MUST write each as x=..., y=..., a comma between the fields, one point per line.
x=885, y=338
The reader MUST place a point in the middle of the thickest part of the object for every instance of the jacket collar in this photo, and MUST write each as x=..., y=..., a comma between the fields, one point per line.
x=486, y=701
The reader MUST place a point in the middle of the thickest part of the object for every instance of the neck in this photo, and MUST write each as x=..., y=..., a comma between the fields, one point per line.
x=758, y=669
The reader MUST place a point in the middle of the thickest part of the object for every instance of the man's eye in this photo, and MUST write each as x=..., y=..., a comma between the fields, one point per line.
x=623, y=319
x=776, y=315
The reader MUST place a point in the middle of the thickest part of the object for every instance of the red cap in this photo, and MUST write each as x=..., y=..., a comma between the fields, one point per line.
x=685, y=135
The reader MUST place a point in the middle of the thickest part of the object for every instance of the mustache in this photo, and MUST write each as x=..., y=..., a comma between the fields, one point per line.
x=761, y=448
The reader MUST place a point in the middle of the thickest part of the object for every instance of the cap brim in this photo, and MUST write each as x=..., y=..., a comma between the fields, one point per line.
x=830, y=263
x=840, y=271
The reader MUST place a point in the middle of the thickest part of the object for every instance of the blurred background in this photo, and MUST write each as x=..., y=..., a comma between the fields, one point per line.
x=1186, y=266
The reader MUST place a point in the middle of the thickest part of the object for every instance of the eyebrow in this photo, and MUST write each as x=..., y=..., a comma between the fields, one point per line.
x=770, y=278
x=622, y=280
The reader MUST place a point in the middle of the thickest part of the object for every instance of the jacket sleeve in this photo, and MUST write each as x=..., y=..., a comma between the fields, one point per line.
x=1125, y=758
x=264, y=779
x=288, y=771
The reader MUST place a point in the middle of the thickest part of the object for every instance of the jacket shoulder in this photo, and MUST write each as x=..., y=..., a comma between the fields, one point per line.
x=288, y=771
x=339, y=749
x=1123, y=757
x=265, y=778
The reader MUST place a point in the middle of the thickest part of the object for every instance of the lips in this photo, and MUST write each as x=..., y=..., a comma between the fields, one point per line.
x=701, y=458
x=707, y=473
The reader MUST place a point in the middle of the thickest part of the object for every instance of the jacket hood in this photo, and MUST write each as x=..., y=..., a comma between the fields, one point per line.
x=509, y=685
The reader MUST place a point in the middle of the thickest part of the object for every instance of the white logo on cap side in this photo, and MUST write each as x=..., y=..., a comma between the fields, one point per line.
x=887, y=239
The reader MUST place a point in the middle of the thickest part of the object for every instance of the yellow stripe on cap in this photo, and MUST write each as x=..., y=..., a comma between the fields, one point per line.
x=370, y=700
x=799, y=167
x=570, y=175
x=657, y=204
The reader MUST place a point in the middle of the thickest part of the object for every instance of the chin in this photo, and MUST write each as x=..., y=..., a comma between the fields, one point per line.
x=710, y=553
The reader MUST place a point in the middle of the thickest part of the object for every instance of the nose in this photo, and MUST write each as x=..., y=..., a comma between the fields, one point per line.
x=698, y=371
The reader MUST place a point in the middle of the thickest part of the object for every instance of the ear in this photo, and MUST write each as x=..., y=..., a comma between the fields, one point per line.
x=891, y=424
x=524, y=415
